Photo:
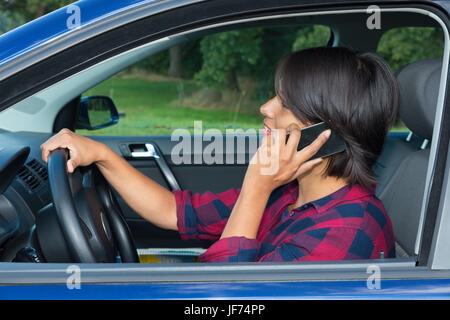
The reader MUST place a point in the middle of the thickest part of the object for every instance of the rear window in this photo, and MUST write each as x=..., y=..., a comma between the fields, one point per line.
x=402, y=46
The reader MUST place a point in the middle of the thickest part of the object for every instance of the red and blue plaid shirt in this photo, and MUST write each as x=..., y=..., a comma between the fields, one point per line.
x=350, y=223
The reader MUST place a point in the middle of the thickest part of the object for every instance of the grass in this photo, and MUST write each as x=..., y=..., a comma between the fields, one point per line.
x=159, y=106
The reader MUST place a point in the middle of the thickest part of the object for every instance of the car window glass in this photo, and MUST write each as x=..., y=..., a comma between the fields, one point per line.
x=216, y=82
x=401, y=46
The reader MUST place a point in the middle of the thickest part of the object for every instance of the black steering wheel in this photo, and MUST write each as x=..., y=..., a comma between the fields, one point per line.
x=88, y=214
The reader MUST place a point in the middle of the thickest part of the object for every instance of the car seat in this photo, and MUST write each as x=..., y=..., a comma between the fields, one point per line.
x=402, y=166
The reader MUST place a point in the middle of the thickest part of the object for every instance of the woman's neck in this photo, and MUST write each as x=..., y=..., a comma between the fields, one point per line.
x=314, y=186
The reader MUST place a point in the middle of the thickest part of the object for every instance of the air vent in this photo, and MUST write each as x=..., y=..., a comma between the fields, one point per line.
x=38, y=168
x=33, y=174
x=29, y=178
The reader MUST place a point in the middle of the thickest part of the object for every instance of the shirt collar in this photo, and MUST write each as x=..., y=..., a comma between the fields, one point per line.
x=346, y=193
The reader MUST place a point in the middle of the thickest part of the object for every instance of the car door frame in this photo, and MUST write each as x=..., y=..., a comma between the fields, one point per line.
x=199, y=274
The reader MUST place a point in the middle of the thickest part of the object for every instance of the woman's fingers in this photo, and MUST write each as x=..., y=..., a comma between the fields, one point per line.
x=71, y=165
x=57, y=141
x=307, y=152
x=294, y=139
x=307, y=166
x=63, y=139
x=303, y=156
x=277, y=161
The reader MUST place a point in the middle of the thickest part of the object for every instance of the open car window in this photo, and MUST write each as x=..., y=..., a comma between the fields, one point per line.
x=220, y=80
x=178, y=80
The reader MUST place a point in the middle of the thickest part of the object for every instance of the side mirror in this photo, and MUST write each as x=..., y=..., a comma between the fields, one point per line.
x=97, y=112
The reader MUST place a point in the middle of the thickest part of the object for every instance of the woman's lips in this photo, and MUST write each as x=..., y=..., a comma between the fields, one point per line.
x=266, y=130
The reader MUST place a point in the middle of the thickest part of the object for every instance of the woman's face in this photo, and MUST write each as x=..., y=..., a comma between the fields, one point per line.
x=278, y=117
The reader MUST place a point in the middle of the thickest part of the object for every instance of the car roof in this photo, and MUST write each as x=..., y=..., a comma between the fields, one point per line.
x=57, y=24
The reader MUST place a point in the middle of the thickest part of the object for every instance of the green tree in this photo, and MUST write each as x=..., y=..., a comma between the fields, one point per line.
x=227, y=55
x=401, y=46
x=275, y=43
x=254, y=53
x=191, y=61
x=9, y=21
x=311, y=36
x=32, y=9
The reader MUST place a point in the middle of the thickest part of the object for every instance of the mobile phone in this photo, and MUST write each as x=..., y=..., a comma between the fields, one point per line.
x=334, y=144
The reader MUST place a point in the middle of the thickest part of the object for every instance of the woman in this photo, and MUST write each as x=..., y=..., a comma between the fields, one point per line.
x=322, y=209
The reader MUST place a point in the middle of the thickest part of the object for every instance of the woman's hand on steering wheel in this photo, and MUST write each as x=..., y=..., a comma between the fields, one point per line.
x=82, y=151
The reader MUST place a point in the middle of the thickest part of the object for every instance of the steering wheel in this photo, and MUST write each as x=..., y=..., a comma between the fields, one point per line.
x=89, y=216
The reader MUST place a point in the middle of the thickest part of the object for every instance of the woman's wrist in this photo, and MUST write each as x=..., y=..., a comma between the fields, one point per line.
x=256, y=187
x=103, y=154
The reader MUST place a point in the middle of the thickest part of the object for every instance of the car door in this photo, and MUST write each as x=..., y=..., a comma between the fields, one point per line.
x=151, y=155
x=285, y=280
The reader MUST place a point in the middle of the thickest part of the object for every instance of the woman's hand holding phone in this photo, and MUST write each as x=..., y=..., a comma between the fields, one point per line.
x=278, y=162
x=275, y=163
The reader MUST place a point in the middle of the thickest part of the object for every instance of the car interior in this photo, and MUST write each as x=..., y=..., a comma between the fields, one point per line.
x=404, y=162
x=32, y=191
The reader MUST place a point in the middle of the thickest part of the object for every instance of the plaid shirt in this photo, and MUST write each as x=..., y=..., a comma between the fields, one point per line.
x=350, y=223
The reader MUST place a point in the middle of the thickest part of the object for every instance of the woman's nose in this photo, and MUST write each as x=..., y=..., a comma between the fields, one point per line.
x=266, y=109
x=262, y=110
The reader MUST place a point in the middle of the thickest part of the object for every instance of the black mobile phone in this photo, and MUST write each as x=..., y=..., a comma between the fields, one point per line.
x=334, y=144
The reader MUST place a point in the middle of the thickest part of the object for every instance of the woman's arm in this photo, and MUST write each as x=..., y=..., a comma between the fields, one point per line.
x=247, y=213
x=150, y=200
x=274, y=164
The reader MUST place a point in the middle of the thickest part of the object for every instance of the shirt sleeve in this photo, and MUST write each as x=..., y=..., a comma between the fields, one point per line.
x=232, y=249
x=203, y=216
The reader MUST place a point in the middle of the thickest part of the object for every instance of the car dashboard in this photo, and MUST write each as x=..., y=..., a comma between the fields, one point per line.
x=24, y=189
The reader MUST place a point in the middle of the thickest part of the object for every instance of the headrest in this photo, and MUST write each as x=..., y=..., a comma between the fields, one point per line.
x=419, y=87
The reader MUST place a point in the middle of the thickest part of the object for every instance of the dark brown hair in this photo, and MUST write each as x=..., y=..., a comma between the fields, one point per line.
x=355, y=93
